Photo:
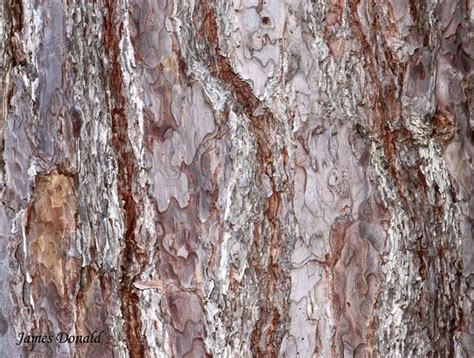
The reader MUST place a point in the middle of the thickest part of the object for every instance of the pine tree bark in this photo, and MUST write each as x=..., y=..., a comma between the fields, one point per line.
x=236, y=179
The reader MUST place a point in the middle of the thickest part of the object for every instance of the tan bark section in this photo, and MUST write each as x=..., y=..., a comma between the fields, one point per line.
x=50, y=233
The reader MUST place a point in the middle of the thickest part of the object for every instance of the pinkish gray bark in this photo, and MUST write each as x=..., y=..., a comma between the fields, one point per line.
x=233, y=179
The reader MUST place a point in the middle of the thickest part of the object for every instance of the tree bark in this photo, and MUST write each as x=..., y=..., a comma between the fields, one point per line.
x=237, y=179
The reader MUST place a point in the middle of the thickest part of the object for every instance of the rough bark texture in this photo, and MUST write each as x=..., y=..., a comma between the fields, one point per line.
x=234, y=179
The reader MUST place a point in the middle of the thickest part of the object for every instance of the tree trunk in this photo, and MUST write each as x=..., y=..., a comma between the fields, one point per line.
x=248, y=179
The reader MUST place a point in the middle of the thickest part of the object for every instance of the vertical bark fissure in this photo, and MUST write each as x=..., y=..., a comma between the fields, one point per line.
x=131, y=261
